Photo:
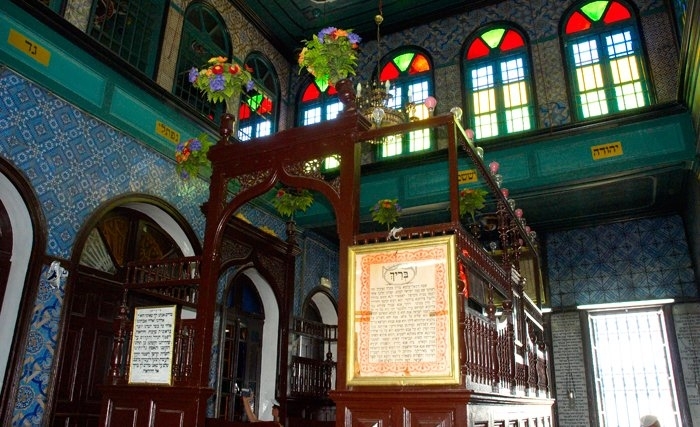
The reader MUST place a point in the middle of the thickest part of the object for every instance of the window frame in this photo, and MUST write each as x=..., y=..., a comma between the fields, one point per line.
x=267, y=85
x=496, y=58
x=403, y=82
x=205, y=49
x=597, y=32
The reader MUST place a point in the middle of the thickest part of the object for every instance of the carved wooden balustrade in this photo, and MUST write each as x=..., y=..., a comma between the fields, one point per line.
x=311, y=377
x=174, y=281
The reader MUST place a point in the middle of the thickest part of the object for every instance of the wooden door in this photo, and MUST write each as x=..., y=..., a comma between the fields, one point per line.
x=123, y=235
x=86, y=353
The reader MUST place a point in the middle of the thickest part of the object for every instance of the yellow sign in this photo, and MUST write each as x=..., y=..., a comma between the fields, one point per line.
x=466, y=176
x=33, y=50
x=167, y=132
x=605, y=151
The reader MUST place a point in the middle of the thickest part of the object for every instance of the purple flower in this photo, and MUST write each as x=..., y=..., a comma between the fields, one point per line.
x=354, y=38
x=184, y=175
x=195, y=144
x=325, y=32
x=249, y=85
x=180, y=147
x=217, y=83
x=193, y=75
x=398, y=208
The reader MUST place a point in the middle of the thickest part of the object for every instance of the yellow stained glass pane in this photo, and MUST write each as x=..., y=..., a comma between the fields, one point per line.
x=419, y=140
x=624, y=69
x=517, y=119
x=484, y=101
x=485, y=126
x=422, y=111
x=515, y=94
x=593, y=103
x=392, y=146
x=589, y=77
x=630, y=96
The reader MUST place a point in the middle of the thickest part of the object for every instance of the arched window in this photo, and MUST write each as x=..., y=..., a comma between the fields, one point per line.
x=604, y=58
x=131, y=29
x=318, y=102
x=497, y=74
x=409, y=71
x=204, y=35
x=257, y=114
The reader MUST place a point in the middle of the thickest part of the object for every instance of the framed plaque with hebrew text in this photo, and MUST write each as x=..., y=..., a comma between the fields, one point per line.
x=402, y=313
x=152, y=345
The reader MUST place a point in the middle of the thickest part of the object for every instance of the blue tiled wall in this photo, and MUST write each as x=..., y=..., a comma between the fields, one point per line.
x=628, y=261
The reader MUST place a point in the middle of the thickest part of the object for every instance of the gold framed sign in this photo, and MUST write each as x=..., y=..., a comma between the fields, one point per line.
x=152, y=345
x=402, y=313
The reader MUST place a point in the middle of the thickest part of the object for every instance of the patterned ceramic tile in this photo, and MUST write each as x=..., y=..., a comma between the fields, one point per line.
x=642, y=259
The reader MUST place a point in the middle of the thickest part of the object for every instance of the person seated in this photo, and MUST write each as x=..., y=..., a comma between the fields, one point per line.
x=254, y=419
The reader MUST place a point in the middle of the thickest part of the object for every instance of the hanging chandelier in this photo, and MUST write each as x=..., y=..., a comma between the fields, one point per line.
x=373, y=98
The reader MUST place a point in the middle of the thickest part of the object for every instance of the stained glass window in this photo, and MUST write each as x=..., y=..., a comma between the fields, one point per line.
x=410, y=75
x=257, y=113
x=498, y=82
x=319, y=102
x=604, y=58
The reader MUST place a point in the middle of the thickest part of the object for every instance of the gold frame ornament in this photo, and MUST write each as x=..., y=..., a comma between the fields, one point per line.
x=402, y=313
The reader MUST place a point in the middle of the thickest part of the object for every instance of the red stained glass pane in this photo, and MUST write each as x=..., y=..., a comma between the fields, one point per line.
x=616, y=12
x=577, y=22
x=331, y=90
x=265, y=106
x=419, y=65
x=478, y=49
x=243, y=112
x=512, y=40
x=389, y=72
x=311, y=93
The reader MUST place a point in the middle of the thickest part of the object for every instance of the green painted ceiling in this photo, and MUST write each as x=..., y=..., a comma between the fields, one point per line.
x=287, y=22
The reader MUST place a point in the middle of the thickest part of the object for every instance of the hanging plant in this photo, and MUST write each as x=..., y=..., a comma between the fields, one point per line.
x=386, y=211
x=288, y=201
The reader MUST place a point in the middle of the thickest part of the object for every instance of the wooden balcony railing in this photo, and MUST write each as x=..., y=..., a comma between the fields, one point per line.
x=311, y=377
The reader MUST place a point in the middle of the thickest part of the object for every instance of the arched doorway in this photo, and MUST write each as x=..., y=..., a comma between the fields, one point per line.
x=22, y=219
x=122, y=234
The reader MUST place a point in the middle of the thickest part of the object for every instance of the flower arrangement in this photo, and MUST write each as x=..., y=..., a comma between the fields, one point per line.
x=470, y=201
x=288, y=201
x=331, y=54
x=221, y=80
x=191, y=156
x=386, y=211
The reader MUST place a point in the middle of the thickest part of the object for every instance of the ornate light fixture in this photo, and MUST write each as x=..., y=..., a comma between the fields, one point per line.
x=372, y=99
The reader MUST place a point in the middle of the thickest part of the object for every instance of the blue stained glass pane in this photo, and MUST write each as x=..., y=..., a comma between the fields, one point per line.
x=586, y=52
x=619, y=44
x=482, y=78
x=512, y=71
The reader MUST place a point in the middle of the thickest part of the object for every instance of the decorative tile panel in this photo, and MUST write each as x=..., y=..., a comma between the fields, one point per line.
x=634, y=260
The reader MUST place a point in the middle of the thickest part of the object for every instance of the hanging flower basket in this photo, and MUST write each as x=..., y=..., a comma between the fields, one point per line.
x=288, y=201
x=331, y=55
x=471, y=201
x=222, y=81
x=191, y=156
x=386, y=211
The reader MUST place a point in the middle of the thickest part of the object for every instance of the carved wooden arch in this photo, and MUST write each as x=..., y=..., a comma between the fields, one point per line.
x=257, y=167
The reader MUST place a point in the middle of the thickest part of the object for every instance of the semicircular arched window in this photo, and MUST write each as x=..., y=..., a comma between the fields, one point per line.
x=204, y=36
x=409, y=72
x=604, y=58
x=259, y=108
x=497, y=73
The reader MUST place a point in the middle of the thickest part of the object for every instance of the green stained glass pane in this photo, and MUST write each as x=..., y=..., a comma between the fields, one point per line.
x=595, y=9
x=322, y=83
x=254, y=101
x=493, y=37
x=404, y=60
